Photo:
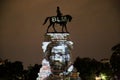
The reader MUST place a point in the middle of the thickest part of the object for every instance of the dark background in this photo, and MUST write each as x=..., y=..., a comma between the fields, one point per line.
x=95, y=27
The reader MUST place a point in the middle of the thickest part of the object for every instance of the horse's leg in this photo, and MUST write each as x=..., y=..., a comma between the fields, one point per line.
x=54, y=27
x=62, y=28
x=65, y=27
x=48, y=28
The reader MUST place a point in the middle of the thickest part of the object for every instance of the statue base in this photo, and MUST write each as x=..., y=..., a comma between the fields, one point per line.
x=56, y=36
x=57, y=64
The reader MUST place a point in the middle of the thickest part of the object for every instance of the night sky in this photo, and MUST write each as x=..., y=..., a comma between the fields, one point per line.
x=95, y=27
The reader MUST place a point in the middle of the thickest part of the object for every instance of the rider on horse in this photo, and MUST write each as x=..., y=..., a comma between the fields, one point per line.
x=58, y=12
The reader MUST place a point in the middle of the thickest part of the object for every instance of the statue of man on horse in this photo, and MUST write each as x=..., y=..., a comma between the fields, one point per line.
x=59, y=19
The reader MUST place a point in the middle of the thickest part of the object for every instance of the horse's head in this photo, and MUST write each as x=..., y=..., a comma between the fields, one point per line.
x=69, y=18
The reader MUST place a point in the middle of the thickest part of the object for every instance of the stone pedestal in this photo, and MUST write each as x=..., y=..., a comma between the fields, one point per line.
x=56, y=64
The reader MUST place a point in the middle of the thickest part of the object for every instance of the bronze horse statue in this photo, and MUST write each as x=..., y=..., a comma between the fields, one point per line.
x=61, y=20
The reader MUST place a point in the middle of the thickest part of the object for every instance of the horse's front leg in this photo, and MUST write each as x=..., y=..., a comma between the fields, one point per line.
x=54, y=28
x=48, y=28
x=65, y=28
x=62, y=28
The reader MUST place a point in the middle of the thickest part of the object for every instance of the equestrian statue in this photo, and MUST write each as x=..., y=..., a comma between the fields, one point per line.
x=59, y=19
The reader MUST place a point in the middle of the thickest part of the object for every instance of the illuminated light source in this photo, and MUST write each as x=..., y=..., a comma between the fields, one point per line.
x=103, y=76
x=98, y=78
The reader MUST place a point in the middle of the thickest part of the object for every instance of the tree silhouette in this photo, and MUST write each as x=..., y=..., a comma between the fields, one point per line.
x=11, y=70
x=32, y=73
x=115, y=59
x=87, y=67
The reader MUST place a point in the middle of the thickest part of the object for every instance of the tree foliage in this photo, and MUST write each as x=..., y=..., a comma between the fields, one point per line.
x=11, y=70
x=32, y=72
x=14, y=71
x=89, y=68
x=115, y=59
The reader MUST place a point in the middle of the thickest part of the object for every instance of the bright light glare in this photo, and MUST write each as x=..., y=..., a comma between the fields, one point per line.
x=103, y=76
x=97, y=78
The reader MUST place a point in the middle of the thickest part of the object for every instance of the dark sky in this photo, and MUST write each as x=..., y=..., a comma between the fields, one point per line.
x=95, y=27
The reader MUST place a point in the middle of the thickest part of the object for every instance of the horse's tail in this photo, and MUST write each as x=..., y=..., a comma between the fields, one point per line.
x=45, y=20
